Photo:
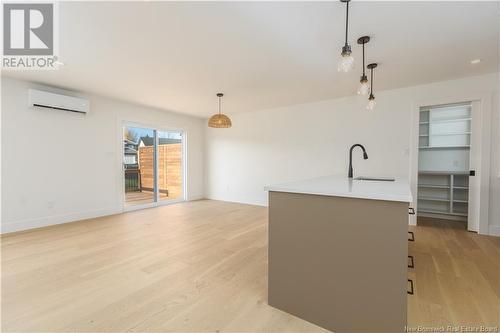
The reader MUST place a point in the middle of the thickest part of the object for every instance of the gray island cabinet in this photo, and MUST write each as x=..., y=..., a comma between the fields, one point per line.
x=338, y=252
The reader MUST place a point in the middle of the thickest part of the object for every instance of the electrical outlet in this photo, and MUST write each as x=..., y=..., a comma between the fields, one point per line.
x=51, y=204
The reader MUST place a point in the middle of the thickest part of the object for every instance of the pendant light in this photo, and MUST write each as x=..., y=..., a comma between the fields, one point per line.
x=219, y=120
x=364, y=85
x=346, y=62
x=371, y=99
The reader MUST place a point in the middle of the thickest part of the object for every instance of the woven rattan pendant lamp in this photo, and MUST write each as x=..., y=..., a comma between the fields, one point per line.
x=219, y=120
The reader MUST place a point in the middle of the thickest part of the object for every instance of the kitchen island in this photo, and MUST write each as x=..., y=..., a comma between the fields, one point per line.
x=338, y=252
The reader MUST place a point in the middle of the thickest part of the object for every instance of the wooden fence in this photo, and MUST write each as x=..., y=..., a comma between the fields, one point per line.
x=169, y=168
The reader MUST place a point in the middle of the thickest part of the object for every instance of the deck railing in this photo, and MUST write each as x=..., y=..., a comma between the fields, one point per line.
x=132, y=179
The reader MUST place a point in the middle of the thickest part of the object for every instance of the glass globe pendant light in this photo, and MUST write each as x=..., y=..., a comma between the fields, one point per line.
x=364, y=85
x=371, y=103
x=219, y=120
x=371, y=100
x=346, y=62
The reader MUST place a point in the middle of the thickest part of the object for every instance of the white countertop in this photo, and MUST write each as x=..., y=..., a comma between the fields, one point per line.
x=341, y=186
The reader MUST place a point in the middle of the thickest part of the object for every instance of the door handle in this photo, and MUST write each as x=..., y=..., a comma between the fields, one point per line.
x=410, y=292
x=411, y=263
x=411, y=211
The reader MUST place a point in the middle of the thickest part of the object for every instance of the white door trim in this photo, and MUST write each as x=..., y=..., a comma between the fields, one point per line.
x=474, y=191
x=485, y=101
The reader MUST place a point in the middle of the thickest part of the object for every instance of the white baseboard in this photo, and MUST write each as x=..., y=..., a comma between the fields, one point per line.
x=494, y=230
x=54, y=220
x=196, y=197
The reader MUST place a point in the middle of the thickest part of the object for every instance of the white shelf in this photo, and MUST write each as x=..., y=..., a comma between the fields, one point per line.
x=447, y=134
x=444, y=107
x=430, y=211
x=445, y=128
x=436, y=192
x=433, y=199
x=433, y=186
x=460, y=201
x=441, y=121
x=444, y=173
x=445, y=147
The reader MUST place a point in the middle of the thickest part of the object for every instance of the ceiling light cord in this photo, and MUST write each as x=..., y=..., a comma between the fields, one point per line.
x=364, y=74
x=371, y=79
x=346, y=22
x=219, y=104
x=346, y=62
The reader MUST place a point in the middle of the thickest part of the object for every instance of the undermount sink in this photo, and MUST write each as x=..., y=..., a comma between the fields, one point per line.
x=377, y=179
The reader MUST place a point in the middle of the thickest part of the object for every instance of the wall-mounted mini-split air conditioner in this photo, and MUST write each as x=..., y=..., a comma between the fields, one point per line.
x=43, y=99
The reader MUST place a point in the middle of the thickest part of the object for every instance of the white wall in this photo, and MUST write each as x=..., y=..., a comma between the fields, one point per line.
x=60, y=166
x=310, y=140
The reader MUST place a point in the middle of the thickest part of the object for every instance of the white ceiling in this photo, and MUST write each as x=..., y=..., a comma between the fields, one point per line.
x=177, y=56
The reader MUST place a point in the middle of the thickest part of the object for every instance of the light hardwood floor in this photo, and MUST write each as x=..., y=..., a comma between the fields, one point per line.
x=143, y=197
x=201, y=266
x=457, y=275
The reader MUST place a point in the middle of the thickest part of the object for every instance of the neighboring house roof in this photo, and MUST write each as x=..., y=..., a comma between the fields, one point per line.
x=148, y=141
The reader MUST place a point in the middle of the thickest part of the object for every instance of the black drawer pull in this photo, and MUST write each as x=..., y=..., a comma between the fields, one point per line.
x=411, y=211
x=412, y=238
x=412, y=262
x=410, y=292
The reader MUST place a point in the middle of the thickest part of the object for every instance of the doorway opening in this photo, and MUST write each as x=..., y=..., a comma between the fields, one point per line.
x=153, y=166
x=448, y=160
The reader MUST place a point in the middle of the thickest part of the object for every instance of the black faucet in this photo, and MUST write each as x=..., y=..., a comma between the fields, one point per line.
x=365, y=156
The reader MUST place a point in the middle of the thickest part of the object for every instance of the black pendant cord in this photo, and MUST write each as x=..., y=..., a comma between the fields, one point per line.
x=362, y=41
x=346, y=22
x=364, y=60
x=371, y=84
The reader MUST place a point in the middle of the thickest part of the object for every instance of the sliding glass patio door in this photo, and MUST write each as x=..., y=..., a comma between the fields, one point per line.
x=170, y=171
x=153, y=169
